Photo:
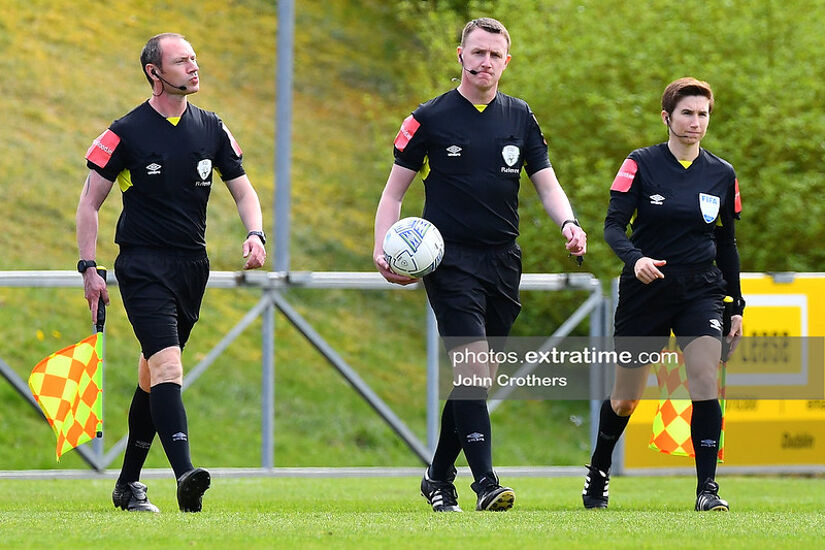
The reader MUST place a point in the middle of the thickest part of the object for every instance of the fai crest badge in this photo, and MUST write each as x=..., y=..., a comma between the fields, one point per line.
x=204, y=168
x=709, y=204
x=510, y=154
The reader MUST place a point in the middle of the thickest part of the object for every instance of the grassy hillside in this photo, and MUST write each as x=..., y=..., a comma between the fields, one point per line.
x=69, y=69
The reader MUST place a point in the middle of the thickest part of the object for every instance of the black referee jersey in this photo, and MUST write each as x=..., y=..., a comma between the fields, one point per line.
x=165, y=173
x=683, y=215
x=471, y=164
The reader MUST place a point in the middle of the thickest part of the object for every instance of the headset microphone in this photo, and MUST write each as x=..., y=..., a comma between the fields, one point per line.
x=667, y=121
x=181, y=88
x=471, y=71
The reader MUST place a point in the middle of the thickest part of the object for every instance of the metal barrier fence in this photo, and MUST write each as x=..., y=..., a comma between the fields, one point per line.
x=595, y=307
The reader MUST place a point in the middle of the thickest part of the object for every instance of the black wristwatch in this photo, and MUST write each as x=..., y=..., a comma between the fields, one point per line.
x=83, y=265
x=259, y=234
x=574, y=221
x=738, y=306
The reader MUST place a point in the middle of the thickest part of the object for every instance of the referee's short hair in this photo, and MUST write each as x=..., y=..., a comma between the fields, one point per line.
x=682, y=87
x=152, y=53
x=488, y=24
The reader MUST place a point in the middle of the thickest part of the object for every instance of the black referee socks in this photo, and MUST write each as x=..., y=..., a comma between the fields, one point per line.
x=170, y=421
x=448, y=447
x=705, y=429
x=472, y=421
x=141, y=434
x=611, y=426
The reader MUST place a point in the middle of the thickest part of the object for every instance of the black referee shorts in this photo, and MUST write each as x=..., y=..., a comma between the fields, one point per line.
x=162, y=294
x=688, y=302
x=474, y=293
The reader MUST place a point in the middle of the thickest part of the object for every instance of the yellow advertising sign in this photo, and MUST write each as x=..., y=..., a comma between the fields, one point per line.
x=758, y=432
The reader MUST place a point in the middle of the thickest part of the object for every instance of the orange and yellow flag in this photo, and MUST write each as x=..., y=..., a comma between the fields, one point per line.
x=671, y=425
x=68, y=387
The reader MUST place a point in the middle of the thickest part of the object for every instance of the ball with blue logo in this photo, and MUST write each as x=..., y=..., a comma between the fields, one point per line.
x=413, y=247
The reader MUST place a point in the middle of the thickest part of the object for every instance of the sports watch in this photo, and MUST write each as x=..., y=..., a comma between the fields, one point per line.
x=738, y=306
x=259, y=234
x=574, y=221
x=83, y=265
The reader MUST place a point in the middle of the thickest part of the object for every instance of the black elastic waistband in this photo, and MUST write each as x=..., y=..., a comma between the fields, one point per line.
x=686, y=269
x=131, y=250
x=479, y=246
x=677, y=269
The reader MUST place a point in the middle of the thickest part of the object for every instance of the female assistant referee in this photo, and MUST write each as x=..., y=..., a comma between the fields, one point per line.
x=679, y=262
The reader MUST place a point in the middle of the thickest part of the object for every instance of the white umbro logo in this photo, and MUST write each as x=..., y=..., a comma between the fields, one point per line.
x=453, y=151
x=475, y=437
x=716, y=324
x=153, y=169
x=657, y=199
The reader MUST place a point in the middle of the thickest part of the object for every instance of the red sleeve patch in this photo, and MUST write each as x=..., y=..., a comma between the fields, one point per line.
x=235, y=146
x=102, y=148
x=406, y=133
x=737, y=200
x=624, y=179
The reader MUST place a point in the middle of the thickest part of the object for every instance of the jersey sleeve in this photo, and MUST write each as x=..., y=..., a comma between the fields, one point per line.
x=410, y=146
x=727, y=253
x=624, y=197
x=229, y=158
x=106, y=156
x=536, y=157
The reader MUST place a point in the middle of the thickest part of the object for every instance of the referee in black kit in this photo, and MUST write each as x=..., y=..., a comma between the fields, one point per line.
x=679, y=262
x=162, y=155
x=470, y=145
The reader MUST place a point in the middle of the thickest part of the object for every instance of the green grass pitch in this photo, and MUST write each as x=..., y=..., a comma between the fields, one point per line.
x=249, y=513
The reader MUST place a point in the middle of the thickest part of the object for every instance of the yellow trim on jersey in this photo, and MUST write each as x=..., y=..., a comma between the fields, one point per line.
x=174, y=120
x=425, y=168
x=481, y=108
x=124, y=179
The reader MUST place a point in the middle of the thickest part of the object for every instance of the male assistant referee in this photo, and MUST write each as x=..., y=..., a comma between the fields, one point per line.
x=162, y=155
x=470, y=145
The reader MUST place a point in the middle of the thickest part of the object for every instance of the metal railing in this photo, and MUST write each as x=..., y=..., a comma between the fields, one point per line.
x=272, y=284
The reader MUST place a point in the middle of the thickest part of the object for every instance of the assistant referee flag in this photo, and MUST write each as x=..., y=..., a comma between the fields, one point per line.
x=68, y=387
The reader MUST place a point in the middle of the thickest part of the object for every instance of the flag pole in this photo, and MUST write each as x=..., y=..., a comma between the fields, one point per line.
x=97, y=442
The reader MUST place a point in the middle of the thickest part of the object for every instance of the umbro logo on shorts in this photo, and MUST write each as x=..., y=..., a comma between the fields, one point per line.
x=716, y=324
x=657, y=199
x=153, y=169
x=453, y=151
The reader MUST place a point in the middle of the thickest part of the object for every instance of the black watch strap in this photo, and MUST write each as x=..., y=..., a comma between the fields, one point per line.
x=83, y=265
x=574, y=221
x=259, y=234
x=738, y=306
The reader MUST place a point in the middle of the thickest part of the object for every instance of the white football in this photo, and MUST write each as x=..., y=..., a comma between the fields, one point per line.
x=413, y=247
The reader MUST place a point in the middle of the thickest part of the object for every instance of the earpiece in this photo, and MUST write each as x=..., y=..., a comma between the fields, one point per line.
x=181, y=88
x=471, y=71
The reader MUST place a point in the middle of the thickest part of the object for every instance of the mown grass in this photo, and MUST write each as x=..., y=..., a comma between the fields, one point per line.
x=387, y=512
